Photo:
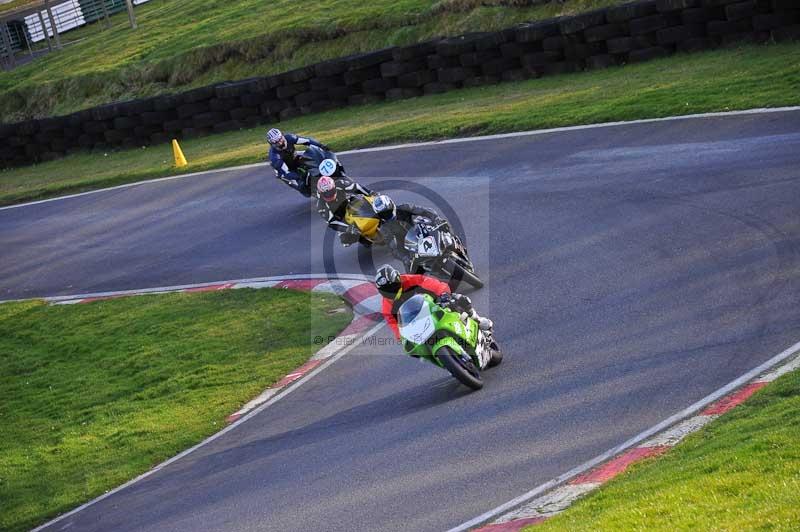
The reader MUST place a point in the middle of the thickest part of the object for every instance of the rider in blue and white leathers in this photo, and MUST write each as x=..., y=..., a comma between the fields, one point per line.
x=283, y=160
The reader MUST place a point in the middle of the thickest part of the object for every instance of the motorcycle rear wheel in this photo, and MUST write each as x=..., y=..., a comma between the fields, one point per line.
x=465, y=372
x=497, y=355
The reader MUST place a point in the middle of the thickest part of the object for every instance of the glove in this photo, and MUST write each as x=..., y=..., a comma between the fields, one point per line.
x=462, y=302
x=444, y=300
x=349, y=237
x=297, y=185
x=407, y=262
x=325, y=147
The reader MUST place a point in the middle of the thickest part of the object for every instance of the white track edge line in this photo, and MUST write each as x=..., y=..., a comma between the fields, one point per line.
x=534, y=132
x=642, y=436
x=283, y=393
x=722, y=114
x=134, y=184
x=176, y=288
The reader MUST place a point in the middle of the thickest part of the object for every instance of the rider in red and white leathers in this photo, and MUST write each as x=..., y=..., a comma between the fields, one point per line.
x=396, y=288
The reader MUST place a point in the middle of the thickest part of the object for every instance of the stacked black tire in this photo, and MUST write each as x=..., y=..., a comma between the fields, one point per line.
x=629, y=33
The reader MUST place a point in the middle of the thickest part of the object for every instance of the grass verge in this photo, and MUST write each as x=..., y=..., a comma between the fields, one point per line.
x=182, y=44
x=742, y=78
x=92, y=395
x=741, y=472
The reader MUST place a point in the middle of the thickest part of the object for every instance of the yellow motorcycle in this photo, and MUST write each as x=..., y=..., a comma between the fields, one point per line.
x=362, y=214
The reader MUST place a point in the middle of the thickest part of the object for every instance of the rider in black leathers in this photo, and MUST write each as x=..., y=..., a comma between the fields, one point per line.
x=406, y=213
x=332, y=204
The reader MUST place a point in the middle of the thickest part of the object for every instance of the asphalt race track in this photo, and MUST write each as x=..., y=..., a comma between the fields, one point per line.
x=630, y=271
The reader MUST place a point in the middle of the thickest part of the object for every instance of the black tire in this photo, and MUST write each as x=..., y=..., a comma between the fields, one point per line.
x=497, y=356
x=460, y=273
x=465, y=372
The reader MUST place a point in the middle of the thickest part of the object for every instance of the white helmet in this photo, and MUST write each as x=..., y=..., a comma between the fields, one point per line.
x=276, y=138
x=384, y=207
x=326, y=188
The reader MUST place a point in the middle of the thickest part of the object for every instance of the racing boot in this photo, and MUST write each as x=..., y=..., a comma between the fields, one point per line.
x=484, y=324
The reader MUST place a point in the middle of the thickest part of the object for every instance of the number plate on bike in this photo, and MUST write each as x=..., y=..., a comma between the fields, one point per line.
x=428, y=247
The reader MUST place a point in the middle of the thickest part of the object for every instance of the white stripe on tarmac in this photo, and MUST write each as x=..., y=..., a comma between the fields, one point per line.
x=286, y=391
x=337, y=286
x=370, y=305
x=257, y=282
x=575, y=128
x=261, y=399
x=586, y=466
x=137, y=183
x=434, y=143
x=783, y=370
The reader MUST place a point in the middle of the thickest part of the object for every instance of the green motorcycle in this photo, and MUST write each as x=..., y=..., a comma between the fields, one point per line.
x=448, y=339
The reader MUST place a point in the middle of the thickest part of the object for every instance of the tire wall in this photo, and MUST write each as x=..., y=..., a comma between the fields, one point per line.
x=617, y=35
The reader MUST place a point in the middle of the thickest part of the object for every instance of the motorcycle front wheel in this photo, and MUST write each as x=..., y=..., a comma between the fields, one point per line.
x=462, y=368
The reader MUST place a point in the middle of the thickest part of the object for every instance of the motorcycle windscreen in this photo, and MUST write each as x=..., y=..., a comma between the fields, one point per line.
x=412, y=239
x=313, y=155
x=415, y=320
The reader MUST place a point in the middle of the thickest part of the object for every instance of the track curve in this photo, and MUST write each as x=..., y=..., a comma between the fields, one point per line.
x=631, y=270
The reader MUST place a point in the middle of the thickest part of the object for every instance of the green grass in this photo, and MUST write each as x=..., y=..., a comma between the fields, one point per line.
x=188, y=43
x=741, y=472
x=92, y=395
x=748, y=77
x=15, y=4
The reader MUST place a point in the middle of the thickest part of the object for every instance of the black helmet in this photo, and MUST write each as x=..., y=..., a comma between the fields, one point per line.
x=388, y=281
